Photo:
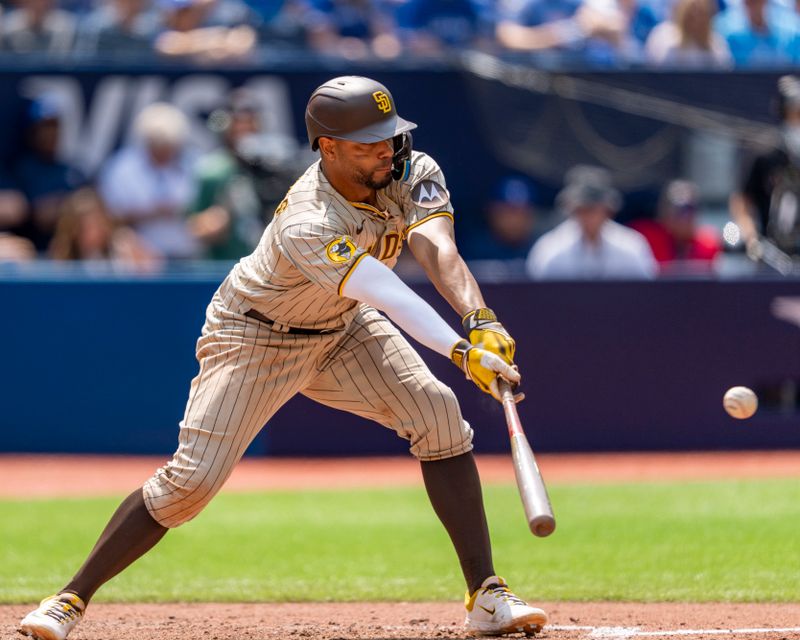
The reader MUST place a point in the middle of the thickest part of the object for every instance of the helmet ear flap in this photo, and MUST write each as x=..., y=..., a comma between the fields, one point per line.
x=401, y=160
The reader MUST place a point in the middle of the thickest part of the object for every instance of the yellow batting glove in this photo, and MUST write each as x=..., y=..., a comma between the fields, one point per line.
x=483, y=330
x=482, y=367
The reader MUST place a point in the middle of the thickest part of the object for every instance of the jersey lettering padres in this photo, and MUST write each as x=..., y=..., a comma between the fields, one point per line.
x=295, y=275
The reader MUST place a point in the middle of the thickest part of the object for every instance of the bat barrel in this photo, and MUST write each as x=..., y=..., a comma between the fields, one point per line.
x=533, y=493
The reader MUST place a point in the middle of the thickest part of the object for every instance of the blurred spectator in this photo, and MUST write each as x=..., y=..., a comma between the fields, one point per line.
x=13, y=206
x=538, y=25
x=280, y=22
x=13, y=212
x=589, y=245
x=598, y=31
x=677, y=242
x=768, y=200
x=510, y=218
x=353, y=29
x=119, y=26
x=79, y=8
x=85, y=231
x=148, y=185
x=760, y=33
x=42, y=176
x=16, y=249
x=240, y=184
x=268, y=10
x=206, y=30
x=429, y=27
x=644, y=16
x=38, y=26
x=688, y=40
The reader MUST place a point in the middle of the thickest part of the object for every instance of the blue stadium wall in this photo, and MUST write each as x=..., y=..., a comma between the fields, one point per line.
x=104, y=365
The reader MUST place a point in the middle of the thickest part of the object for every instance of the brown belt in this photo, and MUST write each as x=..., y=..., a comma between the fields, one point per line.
x=252, y=313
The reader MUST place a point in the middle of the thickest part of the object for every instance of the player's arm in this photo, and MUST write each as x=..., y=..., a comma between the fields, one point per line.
x=433, y=245
x=373, y=282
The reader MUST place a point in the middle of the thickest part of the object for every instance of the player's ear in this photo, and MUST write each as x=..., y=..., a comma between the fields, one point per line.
x=327, y=147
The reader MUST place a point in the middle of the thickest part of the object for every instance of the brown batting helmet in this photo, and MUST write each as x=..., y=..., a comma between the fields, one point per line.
x=353, y=108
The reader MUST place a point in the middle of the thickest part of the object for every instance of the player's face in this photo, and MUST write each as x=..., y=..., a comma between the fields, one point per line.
x=370, y=164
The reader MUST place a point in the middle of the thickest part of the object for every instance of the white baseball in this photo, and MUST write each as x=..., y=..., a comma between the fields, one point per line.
x=740, y=402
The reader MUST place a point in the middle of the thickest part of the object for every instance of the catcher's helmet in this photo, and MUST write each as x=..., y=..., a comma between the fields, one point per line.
x=353, y=108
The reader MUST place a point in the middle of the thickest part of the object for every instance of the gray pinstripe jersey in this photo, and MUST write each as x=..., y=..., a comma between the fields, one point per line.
x=295, y=275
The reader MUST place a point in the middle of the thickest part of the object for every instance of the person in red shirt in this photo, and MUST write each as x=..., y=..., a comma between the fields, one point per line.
x=678, y=243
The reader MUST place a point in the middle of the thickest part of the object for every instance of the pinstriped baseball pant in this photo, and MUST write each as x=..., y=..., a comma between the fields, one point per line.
x=247, y=372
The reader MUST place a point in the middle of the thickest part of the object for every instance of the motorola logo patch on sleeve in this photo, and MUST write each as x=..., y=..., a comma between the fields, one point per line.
x=429, y=194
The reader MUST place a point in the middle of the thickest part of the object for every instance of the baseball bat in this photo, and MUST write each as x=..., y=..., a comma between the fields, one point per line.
x=531, y=487
x=771, y=255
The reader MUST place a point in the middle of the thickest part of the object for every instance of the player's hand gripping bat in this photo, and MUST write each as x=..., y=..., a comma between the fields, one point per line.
x=534, y=496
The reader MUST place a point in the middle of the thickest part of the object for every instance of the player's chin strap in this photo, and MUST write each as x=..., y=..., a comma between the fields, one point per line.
x=401, y=160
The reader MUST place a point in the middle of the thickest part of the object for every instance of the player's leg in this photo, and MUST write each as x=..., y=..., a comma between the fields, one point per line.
x=376, y=374
x=246, y=373
x=129, y=534
x=454, y=489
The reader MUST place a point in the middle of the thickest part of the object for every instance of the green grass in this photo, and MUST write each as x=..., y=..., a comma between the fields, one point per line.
x=713, y=541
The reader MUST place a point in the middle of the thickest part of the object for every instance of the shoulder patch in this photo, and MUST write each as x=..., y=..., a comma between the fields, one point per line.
x=340, y=250
x=429, y=194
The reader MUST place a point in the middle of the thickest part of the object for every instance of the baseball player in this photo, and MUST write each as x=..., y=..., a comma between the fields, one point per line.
x=301, y=315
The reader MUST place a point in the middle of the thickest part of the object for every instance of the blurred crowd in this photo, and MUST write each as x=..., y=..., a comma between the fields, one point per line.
x=605, y=33
x=157, y=201
x=578, y=238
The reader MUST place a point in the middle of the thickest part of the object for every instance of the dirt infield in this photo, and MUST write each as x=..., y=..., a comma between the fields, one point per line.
x=426, y=621
x=54, y=476
x=38, y=476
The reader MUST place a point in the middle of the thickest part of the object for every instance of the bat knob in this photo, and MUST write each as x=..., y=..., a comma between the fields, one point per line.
x=542, y=526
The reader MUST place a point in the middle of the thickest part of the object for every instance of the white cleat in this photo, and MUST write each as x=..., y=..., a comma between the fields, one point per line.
x=54, y=618
x=493, y=610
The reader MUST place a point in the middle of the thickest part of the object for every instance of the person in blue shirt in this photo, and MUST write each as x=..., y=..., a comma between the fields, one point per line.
x=353, y=29
x=536, y=25
x=42, y=176
x=760, y=33
x=510, y=218
x=118, y=27
x=431, y=26
x=602, y=33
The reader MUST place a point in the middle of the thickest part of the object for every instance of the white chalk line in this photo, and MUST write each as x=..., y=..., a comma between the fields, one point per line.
x=620, y=633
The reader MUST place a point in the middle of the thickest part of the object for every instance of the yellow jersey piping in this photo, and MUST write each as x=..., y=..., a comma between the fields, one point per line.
x=368, y=207
x=349, y=271
x=430, y=217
